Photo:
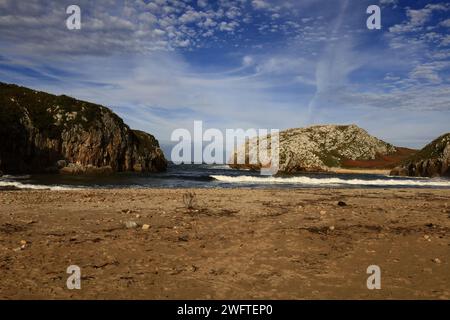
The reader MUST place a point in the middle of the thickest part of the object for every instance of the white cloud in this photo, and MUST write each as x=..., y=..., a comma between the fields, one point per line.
x=388, y=2
x=228, y=26
x=202, y=3
x=138, y=27
x=427, y=72
x=247, y=61
x=233, y=13
x=260, y=4
x=131, y=60
x=445, y=41
x=418, y=18
x=190, y=16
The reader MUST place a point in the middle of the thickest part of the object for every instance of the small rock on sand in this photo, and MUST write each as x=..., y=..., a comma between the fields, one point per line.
x=145, y=227
x=437, y=260
x=23, y=245
x=342, y=204
x=130, y=224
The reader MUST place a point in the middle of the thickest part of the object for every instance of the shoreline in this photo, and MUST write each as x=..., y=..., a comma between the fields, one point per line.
x=233, y=243
x=273, y=187
x=385, y=172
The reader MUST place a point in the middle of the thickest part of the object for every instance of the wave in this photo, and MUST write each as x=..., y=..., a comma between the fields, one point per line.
x=185, y=177
x=19, y=185
x=15, y=177
x=330, y=181
x=219, y=167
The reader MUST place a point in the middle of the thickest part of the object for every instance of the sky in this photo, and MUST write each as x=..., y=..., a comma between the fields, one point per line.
x=269, y=64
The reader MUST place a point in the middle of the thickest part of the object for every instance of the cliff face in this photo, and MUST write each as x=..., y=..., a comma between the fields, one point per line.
x=432, y=161
x=319, y=148
x=41, y=132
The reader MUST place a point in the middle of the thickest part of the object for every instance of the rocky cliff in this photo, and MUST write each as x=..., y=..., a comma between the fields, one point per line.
x=41, y=132
x=432, y=161
x=322, y=147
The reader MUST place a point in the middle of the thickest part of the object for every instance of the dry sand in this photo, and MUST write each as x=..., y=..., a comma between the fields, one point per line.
x=236, y=244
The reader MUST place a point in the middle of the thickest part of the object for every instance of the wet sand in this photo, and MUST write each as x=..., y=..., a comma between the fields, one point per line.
x=234, y=244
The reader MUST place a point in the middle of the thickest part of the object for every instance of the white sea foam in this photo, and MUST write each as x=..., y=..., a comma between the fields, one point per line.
x=220, y=167
x=15, y=177
x=332, y=181
x=20, y=185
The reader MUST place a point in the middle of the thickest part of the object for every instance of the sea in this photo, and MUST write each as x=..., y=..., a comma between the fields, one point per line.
x=216, y=176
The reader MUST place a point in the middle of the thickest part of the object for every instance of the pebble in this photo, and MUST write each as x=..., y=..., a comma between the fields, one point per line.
x=323, y=212
x=145, y=227
x=427, y=237
x=23, y=245
x=331, y=228
x=193, y=268
x=437, y=260
x=131, y=224
x=342, y=204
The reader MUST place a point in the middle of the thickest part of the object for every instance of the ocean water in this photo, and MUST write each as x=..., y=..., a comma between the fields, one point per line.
x=217, y=176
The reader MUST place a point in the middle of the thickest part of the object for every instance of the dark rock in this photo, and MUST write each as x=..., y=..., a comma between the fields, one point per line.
x=73, y=169
x=43, y=132
x=61, y=164
x=432, y=161
x=342, y=204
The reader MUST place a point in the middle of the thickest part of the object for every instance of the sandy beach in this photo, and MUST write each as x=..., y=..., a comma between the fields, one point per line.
x=234, y=244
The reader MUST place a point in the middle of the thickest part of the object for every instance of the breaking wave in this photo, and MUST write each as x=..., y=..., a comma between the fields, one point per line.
x=19, y=185
x=332, y=181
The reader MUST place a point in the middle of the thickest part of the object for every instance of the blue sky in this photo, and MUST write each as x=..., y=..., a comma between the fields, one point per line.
x=279, y=64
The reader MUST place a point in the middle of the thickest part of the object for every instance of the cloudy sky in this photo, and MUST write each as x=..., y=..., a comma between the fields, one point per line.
x=161, y=64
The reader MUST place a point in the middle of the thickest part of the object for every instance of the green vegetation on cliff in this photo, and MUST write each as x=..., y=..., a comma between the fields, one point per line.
x=323, y=147
x=39, y=129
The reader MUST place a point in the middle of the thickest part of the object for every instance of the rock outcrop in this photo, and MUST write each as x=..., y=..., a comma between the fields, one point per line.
x=322, y=147
x=41, y=132
x=432, y=161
